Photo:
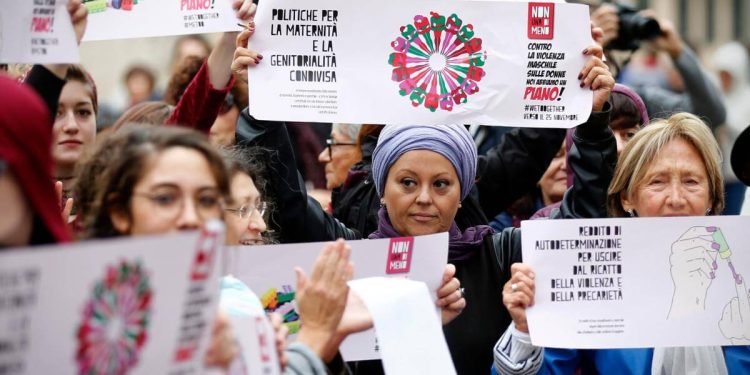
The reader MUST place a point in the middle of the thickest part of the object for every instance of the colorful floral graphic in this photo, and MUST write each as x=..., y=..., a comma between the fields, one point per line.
x=115, y=321
x=438, y=62
x=282, y=302
x=96, y=6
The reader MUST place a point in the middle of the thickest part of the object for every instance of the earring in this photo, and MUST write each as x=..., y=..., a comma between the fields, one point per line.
x=631, y=212
x=382, y=204
x=708, y=211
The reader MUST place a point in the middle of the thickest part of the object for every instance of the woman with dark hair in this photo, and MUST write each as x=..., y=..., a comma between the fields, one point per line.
x=422, y=175
x=146, y=180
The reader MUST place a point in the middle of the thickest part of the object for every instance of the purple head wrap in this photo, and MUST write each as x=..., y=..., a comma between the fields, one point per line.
x=451, y=141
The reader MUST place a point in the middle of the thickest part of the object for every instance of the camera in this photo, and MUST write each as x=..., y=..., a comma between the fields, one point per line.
x=633, y=28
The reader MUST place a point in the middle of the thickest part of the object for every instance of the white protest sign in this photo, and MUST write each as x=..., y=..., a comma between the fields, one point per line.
x=268, y=270
x=134, y=305
x=37, y=32
x=409, y=346
x=639, y=282
x=122, y=19
x=421, y=62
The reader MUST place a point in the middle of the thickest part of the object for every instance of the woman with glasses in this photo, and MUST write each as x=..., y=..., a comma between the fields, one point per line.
x=151, y=180
x=340, y=154
x=246, y=212
x=146, y=180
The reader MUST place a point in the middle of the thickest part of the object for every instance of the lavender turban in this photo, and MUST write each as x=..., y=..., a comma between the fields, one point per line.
x=451, y=141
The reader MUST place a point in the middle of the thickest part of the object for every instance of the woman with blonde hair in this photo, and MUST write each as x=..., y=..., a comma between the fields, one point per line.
x=670, y=168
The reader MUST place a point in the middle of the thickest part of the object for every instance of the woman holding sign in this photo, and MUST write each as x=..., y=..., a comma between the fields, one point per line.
x=154, y=180
x=670, y=168
x=422, y=174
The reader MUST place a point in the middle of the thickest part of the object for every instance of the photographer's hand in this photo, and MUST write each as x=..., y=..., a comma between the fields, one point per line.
x=605, y=17
x=669, y=41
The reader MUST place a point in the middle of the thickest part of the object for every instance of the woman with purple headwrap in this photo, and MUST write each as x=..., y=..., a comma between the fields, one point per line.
x=422, y=174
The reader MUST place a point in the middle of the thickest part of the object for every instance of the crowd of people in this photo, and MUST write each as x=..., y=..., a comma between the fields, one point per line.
x=198, y=155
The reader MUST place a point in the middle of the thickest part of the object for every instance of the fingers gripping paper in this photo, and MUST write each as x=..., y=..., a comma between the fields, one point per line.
x=410, y=345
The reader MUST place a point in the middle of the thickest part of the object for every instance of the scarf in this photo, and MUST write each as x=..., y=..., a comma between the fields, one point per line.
x=461, y=246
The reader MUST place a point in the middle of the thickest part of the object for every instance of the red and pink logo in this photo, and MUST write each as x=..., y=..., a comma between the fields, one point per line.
x=399, y=255
x=541, y=23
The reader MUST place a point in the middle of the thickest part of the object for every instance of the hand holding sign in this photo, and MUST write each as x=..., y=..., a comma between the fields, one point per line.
x=735, y=320
x=79, y=17
x=518, y=294
x=596, y=75
x=450, y=296
x=693, y=262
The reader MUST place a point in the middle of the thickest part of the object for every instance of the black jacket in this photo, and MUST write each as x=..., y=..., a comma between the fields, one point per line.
x=522, y=157
x=472, y=335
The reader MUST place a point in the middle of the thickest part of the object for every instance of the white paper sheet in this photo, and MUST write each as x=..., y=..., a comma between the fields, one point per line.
x=639, y=282
x=141, y=305
x=122, y=19
x=37, y=32
x=510, y=63
x=408, y=327
x=268, y=270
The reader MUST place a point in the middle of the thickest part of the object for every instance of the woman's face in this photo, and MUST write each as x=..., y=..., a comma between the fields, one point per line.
x=422, y=193
x=177, y=192
x=74, y=130
x=675, y=184
x=343, y=155
x=248, y=230
x=15, y=230
x=554, y=182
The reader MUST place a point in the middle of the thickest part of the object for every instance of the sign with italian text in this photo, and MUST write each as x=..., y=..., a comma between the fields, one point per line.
x=639, y=282
x=130, y=305
x=269, y=271
x=37, y=32
x=123, y=19
x=510, y=63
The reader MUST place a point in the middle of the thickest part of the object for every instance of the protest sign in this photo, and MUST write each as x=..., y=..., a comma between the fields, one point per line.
x=253, y=333
x=639, y=282
x=421, y=62
x=37, y=32
x=135, y=305
x=122, y=19
x=409, y=346
x=268, y=271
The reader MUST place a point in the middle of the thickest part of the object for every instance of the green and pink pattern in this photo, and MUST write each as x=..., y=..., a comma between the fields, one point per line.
x=438, y=61
x=115, y=321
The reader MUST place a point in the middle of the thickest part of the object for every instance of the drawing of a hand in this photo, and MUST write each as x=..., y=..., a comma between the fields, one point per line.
x=693, y=262
x=735, y=320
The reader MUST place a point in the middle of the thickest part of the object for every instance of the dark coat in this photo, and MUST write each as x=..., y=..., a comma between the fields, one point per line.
x=472, y=335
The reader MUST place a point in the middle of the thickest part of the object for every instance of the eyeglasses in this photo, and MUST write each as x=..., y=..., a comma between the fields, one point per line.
x=330, y=142
x=246, y=210
x=208, y=204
